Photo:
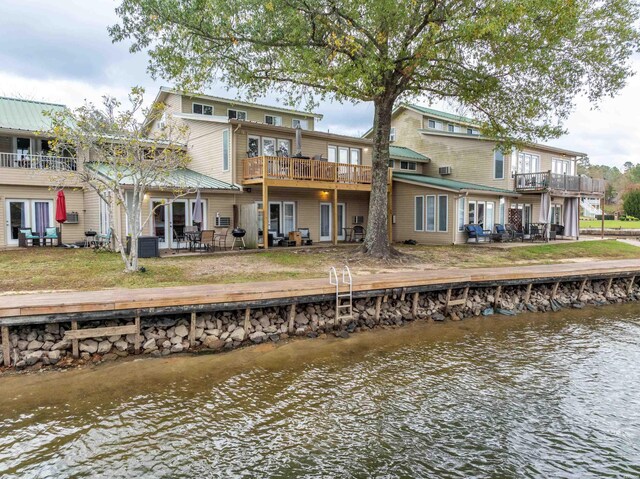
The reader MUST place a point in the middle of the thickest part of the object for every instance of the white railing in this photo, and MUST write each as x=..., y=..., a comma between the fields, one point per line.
x=37, y=162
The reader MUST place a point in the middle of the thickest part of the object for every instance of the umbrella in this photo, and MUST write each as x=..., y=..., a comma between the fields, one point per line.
x=61, y=212
x=197, y=209
x=545, y=211
x=298, y=140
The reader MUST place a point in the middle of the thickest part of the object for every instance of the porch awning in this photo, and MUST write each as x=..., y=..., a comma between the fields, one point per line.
x=450, y=185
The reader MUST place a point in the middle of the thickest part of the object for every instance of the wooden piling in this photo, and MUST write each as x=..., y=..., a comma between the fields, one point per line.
x=527, y=294
x=414, y=306
x=582, y=286
x=192, y=330
x=630, y=287
x=138, y=338
x=554, y=290
x=378, y=305
x=6, y=346
x=247, y=320
x=75, y=347
x=608, y=287
x=446, y=301
x=496, y=302
x=403, y=294
x=292, y=317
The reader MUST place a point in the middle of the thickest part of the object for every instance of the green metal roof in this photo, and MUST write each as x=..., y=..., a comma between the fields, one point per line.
x=179, y=178
x=448, y=184
x=404, y=153
x=441, y=114
x=17, y=114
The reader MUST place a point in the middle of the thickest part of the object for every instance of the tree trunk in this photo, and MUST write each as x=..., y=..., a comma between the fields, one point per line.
x=376, y=242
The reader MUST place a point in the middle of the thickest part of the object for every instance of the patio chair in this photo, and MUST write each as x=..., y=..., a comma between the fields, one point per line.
x=305, y=235
x=514, y=232
x=276, y=237
x=50, y=233
x=104, y=240
x=535, y=233
x=179, y=239
x=25, y=235
x=475, y=232
x=501, y=234
x=207, y=240
x=358, y=233
x=220, y=237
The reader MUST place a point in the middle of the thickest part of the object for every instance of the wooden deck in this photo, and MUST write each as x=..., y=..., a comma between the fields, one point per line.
x=127, y=303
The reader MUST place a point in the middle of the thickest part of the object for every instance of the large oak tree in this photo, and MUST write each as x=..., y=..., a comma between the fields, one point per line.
x=515, y=65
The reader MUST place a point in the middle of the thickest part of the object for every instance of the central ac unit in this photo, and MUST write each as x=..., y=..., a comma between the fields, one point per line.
x=445, y=170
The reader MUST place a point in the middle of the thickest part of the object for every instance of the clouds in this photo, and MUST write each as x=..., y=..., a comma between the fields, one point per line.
x=59, y=51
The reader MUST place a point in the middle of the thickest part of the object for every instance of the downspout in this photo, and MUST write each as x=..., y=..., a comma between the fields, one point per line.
x=455, y=229
x=233, y=158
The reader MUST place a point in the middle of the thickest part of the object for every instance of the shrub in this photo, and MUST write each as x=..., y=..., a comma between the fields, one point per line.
x=631, y=204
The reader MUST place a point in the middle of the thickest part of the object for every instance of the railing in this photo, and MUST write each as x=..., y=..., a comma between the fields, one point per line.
x=37, y=162
x=284, y=168
x=542, y=181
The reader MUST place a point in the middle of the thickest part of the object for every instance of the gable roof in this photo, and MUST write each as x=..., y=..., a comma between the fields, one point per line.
x=178, y=178
x=26, y=115
x=404, y=153
x=447, y=184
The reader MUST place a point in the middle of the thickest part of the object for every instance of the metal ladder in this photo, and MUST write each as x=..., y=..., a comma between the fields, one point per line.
x=340, y=297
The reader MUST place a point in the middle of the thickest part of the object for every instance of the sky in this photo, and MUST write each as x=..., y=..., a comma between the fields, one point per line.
x=60, y=51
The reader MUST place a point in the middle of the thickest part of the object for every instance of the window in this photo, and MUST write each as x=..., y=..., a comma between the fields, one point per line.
x=269, y=146
x=391, y=164
x=435, y=124
x=284, y=147
x=443, y=212
x=273, y=120
x=561, y=167
x=225, y=150
x=528, y=163
x=498, y=165
x=489, y=222
x=431, y=213
x=355, y=156
x=237, y=115
x=460, y=214
x=332, y=155
x=202, y=109
x=408, y=165
x=392, y=134
x=451, y=128
x=419, y=213
x=469, y=131
x=501, y=212
x=472, y=212
x=302, y=123
x=343, y=155
x=556, y=214
x=253, y=146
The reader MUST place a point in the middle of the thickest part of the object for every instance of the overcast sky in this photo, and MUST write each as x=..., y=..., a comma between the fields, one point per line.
x=59, y=51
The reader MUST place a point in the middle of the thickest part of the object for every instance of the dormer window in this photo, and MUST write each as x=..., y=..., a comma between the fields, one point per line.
x=434, y=124
x=273, y=120
x=302, y=123
x=237, y=115
x=201, y=109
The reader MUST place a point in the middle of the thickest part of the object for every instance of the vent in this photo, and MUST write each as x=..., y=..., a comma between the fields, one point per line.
x=223, y=221
x=358, y=220
x=445, y=170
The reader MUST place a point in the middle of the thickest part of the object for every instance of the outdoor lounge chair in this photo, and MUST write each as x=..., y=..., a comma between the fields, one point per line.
x=25, y=235
x=501, y=234
x=475, y=232
x=514, y=232
x=51, y=233
x=305, y=235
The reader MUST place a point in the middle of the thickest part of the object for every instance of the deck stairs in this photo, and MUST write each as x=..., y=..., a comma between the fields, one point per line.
x=344, y=293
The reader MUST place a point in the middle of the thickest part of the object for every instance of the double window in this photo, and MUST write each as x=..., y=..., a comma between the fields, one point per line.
x=528, y=163
x=342, y=154
x=300, y=122
x=408, y=165
x=258, y=145
x=431, y=213
x=482, y=213
x=561, y=167
x=434, y=124
x=202, y=109
x=237, y=114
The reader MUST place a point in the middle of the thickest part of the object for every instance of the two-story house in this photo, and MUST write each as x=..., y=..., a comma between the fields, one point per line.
x=469, y=179
x=30, y=175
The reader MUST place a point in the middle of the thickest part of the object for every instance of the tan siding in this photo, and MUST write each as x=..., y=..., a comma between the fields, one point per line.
x=205, y=149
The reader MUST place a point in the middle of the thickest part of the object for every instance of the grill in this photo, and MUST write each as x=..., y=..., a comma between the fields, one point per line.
x=238, y=233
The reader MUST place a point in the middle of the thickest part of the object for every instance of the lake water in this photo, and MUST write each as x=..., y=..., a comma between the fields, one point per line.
x=532, y=396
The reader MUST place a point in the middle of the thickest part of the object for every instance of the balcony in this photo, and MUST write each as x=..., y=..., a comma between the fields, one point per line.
x=558, y=183
x=305, y=173
x=37, y=162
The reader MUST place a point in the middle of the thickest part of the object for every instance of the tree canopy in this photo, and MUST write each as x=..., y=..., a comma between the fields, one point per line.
x=516, y=66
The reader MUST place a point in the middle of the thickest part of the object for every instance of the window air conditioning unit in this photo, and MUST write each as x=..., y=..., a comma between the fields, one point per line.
x=223, y=221
x=445, y=170
x=358, y=220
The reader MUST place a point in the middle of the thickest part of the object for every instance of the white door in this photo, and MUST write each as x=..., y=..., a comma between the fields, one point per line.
x=325, y=222
x=17, y=216
x=178, y=219
x=159, y=222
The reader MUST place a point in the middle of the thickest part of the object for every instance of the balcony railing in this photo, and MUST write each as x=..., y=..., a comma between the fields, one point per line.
x=301, y=169
x=543, y=181
x=37, y=162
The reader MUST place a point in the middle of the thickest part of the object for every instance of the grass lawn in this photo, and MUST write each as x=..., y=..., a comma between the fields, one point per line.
x=626, y=225
x=46, y=269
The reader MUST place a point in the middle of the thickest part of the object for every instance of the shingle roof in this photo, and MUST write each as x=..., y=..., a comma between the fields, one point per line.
x=447, y=183
x=404, y=153
x=17, y=114
x=179, y=178
x=441, y=114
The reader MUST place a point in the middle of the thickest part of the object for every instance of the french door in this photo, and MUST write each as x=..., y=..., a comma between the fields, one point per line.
x=326, y=221
x=169, y=221
x=18, y=216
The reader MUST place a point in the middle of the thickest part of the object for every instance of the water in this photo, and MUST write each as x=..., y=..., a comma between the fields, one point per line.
x=531, y=396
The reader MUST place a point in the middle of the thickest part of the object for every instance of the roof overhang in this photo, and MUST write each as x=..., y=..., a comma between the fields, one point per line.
x=305, y=133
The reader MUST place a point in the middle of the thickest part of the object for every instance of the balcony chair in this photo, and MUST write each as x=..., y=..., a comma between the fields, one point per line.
x=51, y=233
x=476, y=232
x=514, y=233
x=25, y=235
x=305, y=235
x=358, y=233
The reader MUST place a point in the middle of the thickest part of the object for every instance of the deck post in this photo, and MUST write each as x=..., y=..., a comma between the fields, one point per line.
x=554, y=290
x=496, y=301
x=6, y=346
x=292, y=317
x=378, y=305
x=630, y=287
x=334, y=233
x=74, y=342
x=265, y=208
x=192, y=330
x=446, y=302
x=527, y=294
x=137, y=340
x=414, y=306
